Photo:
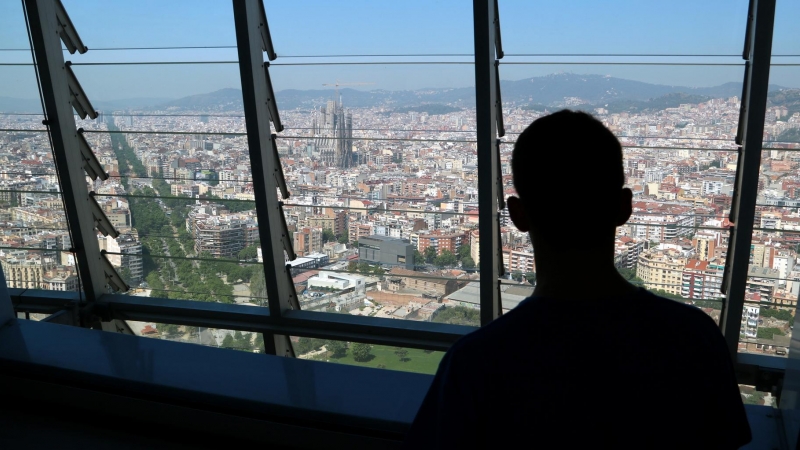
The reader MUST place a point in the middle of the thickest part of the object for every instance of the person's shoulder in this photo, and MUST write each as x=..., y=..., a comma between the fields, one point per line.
x=673, y=307
x=678, y=314
x=497, y=330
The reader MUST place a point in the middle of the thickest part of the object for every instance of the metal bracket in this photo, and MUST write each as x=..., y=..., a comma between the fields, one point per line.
x=501, y=268
x=741, y=128
x=280, y=180
x=67, y=32
x=91, y=165
x=77, y=97
x=272, y=106
x=101, y=221
x=501, y=196
x=266, y=37
x=294, y=302
x=112, y=277
x=498, y=42
x=288, y=246
x=498, y=102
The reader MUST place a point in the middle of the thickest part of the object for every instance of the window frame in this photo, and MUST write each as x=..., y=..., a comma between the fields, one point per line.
x=280, y=320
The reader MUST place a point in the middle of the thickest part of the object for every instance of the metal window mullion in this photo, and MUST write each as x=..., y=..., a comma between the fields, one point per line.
x=255, y=95
x=486, y=130
x=6, y=307
x=759, y=47
x=66, y=145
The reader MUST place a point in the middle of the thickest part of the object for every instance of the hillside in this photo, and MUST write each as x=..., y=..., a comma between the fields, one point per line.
x=790, y=135
x=790, y=98
x=432, y=109
x=550, y=91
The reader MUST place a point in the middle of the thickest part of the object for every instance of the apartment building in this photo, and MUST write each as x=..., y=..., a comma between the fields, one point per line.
x=661, y=270
x=441, y=241
x=307, y=240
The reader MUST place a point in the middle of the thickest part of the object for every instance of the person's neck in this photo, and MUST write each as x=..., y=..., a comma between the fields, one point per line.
x=557, y=277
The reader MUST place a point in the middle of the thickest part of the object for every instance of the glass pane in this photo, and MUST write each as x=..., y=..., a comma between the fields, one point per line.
x=773, y=282
x=382, y=167
x=49, y=268
x=13, y=33
x=186, y=206
x=750, y=396
x=137, y=25
x=212, y=337
x=32, y=213
x=158, y=97
x=368, y=355
x=576, y=28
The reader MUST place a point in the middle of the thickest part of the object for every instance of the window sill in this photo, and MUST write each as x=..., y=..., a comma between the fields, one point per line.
x=329, y=400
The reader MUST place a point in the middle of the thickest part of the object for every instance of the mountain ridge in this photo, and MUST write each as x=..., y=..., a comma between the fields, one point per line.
x=554, y=90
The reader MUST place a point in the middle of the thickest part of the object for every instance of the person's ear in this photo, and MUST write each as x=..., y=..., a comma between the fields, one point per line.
x=625, y=208
x=516, y=210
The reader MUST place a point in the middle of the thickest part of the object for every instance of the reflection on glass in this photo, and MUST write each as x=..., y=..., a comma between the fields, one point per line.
x=35, y=241
x=367, y=355
x=750, y=396
x=773, y=282
x=211, y=337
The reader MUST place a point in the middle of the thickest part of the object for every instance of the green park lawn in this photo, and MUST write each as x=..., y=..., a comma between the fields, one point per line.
x=416, y=360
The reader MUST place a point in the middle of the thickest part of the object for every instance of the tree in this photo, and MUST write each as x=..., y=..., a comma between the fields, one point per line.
x=168, y=329
x=258, y=344
x=445, y=259
x=630, y=275
x=458, y=315
x=418, y=258
x=468, y=263
x=344, y=239
x=465, y=251
x=336, y=348
x=768, y=332
x=401, y=353
x=125, y=274
x=364, y=267
x=305, y=345
x=249, y=252
x=780, y=314
x=258, y=287
x=430, y=255
x=242, y=341
x=361, y=352
x=352, y=266
x=531, y=277
x=228, y=342
x=517, y=276
x=328, y=236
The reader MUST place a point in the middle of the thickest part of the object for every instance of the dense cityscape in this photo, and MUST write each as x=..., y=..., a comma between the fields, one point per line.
x=383, y=211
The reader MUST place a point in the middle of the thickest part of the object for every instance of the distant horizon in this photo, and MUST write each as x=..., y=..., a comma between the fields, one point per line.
x=697, y=44
x=238, y=88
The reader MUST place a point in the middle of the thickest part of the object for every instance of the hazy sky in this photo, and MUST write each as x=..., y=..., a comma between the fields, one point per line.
x=372, y=27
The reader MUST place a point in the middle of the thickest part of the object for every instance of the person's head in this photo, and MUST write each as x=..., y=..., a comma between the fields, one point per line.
x=568, y=174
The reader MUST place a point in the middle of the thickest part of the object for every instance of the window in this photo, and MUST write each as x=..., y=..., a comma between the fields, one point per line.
x=382, y=147
x=772, y=279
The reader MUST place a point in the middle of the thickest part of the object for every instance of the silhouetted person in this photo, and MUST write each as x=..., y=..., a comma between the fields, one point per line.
x=589, y=360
